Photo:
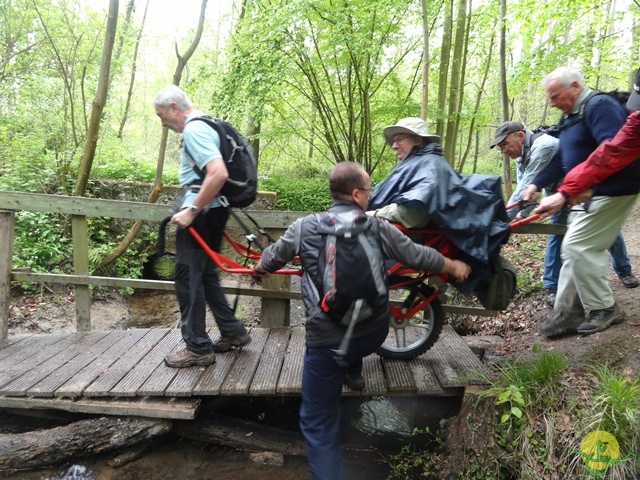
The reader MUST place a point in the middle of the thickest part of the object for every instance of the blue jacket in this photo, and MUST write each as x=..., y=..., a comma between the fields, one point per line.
x=581, y=134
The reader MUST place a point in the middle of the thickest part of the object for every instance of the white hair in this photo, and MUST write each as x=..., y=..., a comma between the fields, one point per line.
x=565, y=75
x=172, y=94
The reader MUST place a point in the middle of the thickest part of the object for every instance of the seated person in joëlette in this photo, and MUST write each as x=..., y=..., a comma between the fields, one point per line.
x=423, y=190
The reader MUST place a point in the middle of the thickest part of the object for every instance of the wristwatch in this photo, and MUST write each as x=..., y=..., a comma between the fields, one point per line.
x=194, y=209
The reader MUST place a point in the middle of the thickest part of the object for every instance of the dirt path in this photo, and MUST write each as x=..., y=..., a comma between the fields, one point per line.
x=618, y=346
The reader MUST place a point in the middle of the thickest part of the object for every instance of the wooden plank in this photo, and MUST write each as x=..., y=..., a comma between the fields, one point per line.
x=162, y=376
x=86, y=356
x=122, y=341
x=7, y=229
x=268, y=372
x=8, y=346
x=137, y=376
x=102, y=385
x=424, y=376
x=241, y=374
x=228, y=287
x=185, y=379
x=453, y=362
x=374, y=378
x=399, y=376
x=94, y=207
x=62, y=358
x=179, y=409
x=290, y=380
x=45, y=347
x=80, y=238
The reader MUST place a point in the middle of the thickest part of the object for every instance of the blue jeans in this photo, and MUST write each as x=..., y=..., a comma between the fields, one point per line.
x=552, y=261
x=322, y=380
x=197, y=284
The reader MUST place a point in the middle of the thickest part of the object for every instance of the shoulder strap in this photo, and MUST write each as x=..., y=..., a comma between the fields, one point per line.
x=224, y=147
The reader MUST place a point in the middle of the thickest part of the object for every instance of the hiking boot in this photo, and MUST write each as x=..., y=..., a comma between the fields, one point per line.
x=186, y=358
x=599, y=320
x=561, y=324
x=629, y=281
x=551, y=297
x=225, y=344
x=355, y=381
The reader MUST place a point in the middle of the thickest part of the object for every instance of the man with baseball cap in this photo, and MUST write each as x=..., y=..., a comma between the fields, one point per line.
x=532, y=153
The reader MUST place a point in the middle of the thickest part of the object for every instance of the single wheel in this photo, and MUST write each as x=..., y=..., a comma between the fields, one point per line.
x=414, y=335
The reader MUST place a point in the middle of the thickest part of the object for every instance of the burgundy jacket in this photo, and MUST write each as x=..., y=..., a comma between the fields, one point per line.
x=610, y=157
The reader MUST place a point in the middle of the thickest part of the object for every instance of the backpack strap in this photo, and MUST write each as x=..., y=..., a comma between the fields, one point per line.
x=223, y=147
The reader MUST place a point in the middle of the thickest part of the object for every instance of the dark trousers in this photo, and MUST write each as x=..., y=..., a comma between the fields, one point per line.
x=322, y=380
x=197, y=284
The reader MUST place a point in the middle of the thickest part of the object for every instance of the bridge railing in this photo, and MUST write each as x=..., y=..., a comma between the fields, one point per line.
x=275, y=291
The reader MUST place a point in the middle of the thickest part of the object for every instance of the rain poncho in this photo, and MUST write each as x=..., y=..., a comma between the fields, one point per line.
x=468, y=209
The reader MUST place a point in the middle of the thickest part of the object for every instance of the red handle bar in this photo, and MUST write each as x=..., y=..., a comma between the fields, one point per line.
x=229, y=265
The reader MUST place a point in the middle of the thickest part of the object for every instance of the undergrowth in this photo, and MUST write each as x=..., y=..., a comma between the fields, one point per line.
x=538, y=420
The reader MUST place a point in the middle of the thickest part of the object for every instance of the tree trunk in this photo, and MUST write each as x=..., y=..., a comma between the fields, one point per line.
x=443, y=75
x=177, y=76
x=241, y=434
x=470, y=139
x=99, y=101
x=425, y=61
x=456, y=82
x=506, y=165
x=132, y=77
x=42, y=448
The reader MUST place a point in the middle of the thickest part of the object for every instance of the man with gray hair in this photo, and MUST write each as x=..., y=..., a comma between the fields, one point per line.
x=196, y=279
x=585, y=302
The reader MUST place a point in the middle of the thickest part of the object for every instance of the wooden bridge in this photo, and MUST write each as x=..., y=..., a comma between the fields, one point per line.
x=122, y=372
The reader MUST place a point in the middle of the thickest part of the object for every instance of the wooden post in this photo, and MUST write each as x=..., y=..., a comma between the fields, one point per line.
x=276, y=312
x=7, y=227
x=80, y=234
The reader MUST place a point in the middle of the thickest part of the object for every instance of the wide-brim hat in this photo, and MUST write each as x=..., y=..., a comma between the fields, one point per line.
x=633, y=103
x=410, y=126
x=505, y=129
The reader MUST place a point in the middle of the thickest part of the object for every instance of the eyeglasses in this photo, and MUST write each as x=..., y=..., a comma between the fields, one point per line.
x=400, y=139
x=368, y=190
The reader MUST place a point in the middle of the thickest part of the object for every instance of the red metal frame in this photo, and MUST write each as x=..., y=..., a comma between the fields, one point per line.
x=429, y=237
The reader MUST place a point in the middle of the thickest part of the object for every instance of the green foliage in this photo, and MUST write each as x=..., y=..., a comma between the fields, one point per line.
x=536, y=377
x=39, y=243
x=616, y=408
x=301, y=194
x=412, y=462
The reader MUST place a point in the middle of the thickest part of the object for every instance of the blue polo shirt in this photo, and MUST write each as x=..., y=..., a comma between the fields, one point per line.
x=203, y=143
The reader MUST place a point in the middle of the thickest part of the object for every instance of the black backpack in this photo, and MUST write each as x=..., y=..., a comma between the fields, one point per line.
x=554, y=130
x=352, y=277
x=241, y=188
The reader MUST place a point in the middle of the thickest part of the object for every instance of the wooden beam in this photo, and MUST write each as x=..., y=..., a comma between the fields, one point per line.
x=80, y=234
x=7, y=224
x=95, y=207
x=174, y=408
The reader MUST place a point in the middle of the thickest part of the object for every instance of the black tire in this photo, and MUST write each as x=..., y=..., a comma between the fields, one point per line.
x=412, y=337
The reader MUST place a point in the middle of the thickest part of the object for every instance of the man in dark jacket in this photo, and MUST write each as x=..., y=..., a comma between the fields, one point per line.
x=323, y=373
x=584, y=289
x=609, y=158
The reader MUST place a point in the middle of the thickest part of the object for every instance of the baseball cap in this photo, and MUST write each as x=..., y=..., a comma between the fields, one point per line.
x=505, y=129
